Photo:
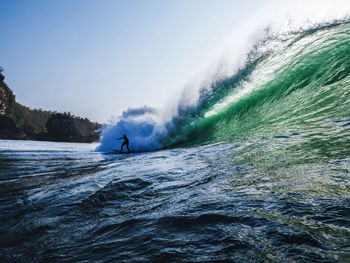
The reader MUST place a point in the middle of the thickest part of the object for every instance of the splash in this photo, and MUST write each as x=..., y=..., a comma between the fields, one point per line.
x=142, y=125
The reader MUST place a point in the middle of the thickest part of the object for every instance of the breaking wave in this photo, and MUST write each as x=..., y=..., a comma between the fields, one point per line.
x=290, y=81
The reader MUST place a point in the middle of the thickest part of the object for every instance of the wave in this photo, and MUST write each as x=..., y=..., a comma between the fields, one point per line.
x=290, y=81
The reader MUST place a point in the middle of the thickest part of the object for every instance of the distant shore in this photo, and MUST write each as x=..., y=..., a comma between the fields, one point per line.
x=18, y=122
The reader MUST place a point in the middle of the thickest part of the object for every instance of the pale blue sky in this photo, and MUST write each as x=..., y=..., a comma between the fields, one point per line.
x=96, y=58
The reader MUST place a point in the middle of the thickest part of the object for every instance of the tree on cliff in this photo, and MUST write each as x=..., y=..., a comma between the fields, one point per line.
x=61, y=127
x=65, y=127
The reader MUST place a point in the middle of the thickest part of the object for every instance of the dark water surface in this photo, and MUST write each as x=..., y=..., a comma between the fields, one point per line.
x=259, y=201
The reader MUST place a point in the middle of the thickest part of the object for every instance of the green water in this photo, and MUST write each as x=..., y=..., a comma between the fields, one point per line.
x=301, y=87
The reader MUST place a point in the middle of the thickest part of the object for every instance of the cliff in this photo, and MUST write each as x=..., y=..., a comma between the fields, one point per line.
x=20, y=122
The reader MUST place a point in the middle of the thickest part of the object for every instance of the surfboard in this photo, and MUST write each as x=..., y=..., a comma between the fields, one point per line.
x=119, y=152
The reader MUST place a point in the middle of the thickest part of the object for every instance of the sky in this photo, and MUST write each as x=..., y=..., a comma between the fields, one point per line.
x=97, y=58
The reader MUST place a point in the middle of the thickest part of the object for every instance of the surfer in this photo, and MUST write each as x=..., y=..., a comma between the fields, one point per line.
x=125, y=142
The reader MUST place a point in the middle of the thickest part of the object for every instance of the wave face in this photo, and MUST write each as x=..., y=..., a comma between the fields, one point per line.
x=296, y=82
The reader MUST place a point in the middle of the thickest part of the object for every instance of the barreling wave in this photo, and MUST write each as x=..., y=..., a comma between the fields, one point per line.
x=291, y=83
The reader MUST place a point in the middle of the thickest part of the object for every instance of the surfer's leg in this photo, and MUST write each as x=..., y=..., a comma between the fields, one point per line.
x=121, y=148
x=127, y=146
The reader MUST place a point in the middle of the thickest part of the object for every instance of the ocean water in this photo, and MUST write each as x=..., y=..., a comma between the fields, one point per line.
x=258, y=170
x=226, y=202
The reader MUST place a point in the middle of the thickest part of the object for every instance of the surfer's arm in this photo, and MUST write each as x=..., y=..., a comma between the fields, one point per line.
x=120, y=138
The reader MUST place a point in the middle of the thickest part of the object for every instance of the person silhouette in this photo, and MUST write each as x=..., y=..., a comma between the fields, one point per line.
x=125, y=142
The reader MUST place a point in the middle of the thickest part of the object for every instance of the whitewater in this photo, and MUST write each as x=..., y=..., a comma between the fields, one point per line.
x=254, y=168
